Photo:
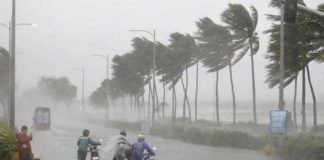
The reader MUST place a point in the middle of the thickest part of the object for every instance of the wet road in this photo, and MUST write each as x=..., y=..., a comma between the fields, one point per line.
x=60, y=143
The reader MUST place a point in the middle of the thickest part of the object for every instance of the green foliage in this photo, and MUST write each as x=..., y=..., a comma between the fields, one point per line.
x=4, y=75
x=179, y=55
x=135, y=126
x=307, y=37
x=268, y=139
x=108, y=88
x=289, y=147
x=7, y=142
x=296, y=147
x=59, y=89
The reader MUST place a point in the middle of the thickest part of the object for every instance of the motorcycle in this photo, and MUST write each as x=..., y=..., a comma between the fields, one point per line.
x=94, y=152
x=147, y=156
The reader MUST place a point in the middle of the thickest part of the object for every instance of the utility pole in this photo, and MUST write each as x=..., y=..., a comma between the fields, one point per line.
x=12, y=65
x=282, y=60
x=154, y=92
x=106, y=85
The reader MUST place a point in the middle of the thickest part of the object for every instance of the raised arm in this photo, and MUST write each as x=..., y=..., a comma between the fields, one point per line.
x=149, y=149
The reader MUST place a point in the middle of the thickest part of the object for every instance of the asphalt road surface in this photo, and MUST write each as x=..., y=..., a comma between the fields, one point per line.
x=60, y=142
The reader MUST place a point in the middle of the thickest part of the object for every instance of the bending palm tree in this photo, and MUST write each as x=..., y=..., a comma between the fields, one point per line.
x=244, y=24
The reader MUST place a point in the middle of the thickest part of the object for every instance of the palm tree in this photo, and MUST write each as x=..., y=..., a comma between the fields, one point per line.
x=212, y=40
x=184, y=46
x=308, y=47
x=244, y=24
x=171, y=72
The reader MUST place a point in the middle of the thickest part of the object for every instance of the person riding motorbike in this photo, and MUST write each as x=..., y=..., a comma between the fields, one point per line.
x=122, y=148
x=83, y=143
x=139, y=147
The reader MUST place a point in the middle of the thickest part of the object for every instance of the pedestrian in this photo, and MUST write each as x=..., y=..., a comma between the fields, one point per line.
x=23, y=144
x=83, y=143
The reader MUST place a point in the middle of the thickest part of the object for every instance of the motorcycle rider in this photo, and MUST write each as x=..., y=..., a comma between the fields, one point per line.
x=23, y=144
x=83, y=143
x=139, y=147
x=122, y=148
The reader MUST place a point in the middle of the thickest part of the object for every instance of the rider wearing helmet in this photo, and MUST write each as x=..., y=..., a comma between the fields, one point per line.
x=83, y=143
x=139, y=147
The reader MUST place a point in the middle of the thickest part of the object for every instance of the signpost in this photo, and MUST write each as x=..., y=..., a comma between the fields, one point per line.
x=278, y=121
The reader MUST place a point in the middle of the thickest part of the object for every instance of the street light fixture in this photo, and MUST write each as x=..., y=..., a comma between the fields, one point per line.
x=106, y=85
x=153, y=72
x=82, y=70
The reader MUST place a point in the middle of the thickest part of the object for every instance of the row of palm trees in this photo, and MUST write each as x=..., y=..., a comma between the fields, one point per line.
x=217, y=47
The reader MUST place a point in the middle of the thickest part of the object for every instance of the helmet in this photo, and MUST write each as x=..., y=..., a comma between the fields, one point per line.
x=123, y=133
x=86, y=132
x=141, y=136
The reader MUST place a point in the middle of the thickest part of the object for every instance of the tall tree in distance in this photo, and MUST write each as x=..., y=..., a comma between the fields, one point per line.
x=59, y=89
x=211, y=37
x=185, y=47
x=244, y=24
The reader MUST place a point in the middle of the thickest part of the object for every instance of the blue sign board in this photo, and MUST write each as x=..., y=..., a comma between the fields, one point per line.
x=278, y=121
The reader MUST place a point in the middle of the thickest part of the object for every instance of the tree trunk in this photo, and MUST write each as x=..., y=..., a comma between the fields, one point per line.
x=157, y=106
x=233, y=93
x=131, y=102
x=149, y=101
x=184, y=103
x=217, y=98
x=294, y=107
x=163, y=112
x=196, y=94
x=253, y=88
x=186, y=98
x=123, y=102
x=143, y=106
x=187, y=82
x=314, y=98
x=172, y=110
x=303, y=103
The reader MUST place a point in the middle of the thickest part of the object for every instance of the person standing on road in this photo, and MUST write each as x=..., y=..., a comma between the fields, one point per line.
x=139, y=147
x=83, y=144
x=23, y=144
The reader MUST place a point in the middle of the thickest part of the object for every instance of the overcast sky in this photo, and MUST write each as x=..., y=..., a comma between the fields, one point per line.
x=69, y=31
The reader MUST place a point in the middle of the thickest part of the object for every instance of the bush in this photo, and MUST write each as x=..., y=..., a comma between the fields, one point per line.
x=296, y=147
x=234, y=139
x=7, y=142
x=125, y=125
x=287, y=147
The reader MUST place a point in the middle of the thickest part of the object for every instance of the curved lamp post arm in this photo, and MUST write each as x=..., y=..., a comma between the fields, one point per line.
x=142, y=31
x=26, y=24
x=98, y=55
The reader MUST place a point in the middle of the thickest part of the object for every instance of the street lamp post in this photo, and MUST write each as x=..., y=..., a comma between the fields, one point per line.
x=82, y=101
x=106, y=85
x=153, y=72
x=12, y=49
x=282, y=61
